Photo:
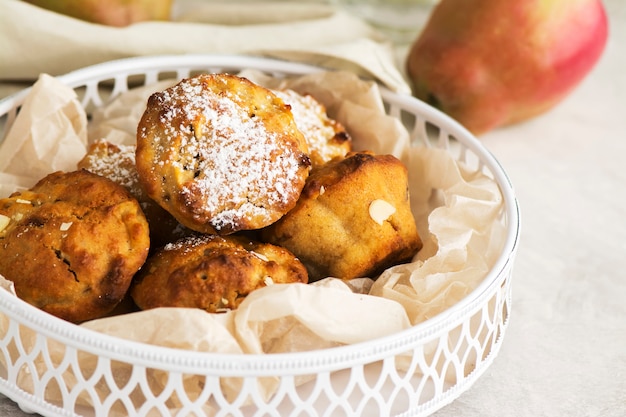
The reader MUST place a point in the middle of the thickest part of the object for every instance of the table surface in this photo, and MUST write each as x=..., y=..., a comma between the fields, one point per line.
x=564, y=353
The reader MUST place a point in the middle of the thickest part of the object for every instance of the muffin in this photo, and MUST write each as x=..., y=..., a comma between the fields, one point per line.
x=221, y=154
x=326, y=138
x=352, y=220
x=72, y=243
x=212, y=272
x=117, y=163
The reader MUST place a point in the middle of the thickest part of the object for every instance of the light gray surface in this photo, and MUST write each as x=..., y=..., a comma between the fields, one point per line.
x=564, y=354
x=9, y=409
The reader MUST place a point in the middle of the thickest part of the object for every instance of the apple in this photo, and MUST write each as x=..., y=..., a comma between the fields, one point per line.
x=489, y=63
x=109, y=12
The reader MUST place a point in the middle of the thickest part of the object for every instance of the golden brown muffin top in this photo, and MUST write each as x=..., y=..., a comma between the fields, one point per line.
x=222, y=153
x=72, y=244
x=353, y=218
x=213, y=272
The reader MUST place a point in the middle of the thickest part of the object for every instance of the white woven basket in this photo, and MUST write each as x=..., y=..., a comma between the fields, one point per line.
x=448, y=352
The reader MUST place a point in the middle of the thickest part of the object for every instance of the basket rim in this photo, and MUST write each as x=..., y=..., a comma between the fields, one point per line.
x=329, y=359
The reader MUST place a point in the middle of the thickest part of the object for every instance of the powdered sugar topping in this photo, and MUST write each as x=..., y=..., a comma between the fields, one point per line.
x=240, y=169
x=118, y=165
x=310, y=117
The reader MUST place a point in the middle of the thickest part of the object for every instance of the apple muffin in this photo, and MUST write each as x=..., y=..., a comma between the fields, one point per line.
x=212, y=272
x=326, y=138
x=352, y=220
x=221, y=154
x=72, y=243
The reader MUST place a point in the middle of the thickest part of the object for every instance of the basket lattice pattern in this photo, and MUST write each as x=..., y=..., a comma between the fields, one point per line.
x=434, y=367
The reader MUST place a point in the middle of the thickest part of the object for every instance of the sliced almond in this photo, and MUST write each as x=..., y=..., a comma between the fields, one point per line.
x=4, y=222
x=268, y=281
x=261, y=256
x=380, y=210
x=22, y=201
x=322, y=190
x=65, y=226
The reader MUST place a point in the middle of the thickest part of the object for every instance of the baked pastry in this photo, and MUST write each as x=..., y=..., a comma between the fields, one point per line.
x=352, y=220
x=212, y=272
x=72, y=243
x=326, y=138
x=117, y=163
x=221, y=154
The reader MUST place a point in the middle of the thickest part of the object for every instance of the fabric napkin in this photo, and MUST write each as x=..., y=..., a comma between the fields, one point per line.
x=34, y=40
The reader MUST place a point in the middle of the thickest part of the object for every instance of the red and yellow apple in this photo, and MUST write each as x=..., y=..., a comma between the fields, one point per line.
x=109, y=12
x=489, y=63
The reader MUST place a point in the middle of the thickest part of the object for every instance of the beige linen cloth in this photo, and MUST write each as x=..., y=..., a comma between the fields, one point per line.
x=34, y=40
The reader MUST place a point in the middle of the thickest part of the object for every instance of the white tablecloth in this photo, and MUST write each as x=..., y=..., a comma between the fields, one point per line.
x=564, y=353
